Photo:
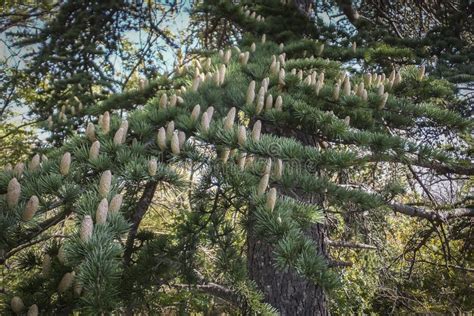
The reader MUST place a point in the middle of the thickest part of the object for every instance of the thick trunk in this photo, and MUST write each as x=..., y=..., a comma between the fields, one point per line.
x=288, y=292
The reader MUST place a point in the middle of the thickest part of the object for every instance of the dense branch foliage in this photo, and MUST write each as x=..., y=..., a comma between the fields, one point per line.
x=263, y=142
x=75, y=54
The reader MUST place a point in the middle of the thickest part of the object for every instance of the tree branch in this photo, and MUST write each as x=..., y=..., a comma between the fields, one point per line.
x=436, y=166
x=39, y=229
x=348, y=244
x=449, y=265
x=140, y=210
x=429, y=214
x=347, y=8
x=216, y=290
x=28, y=244
x=337, y=263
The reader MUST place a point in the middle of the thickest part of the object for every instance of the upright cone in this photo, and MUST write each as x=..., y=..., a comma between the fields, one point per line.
x=268, y=166
x=279, y=103
x=101, y=212
x=271, y=199
x=34, y=163
x=17, y=305
x=65, y=164
x=31, y=208
x=346, y=88
x=87, y=226
x=224, y=156
x=260, y=104
x=242, y=136
x=210, y=113
x=222, y=72
x=175, y=144
x=347, y=120
x=421, y=72
x=380, y=90
x=383, y=101
x=66, y=282
x=90, y=132
x=196, y=83
x=161, y=138
x=335, y=92
x=281, y=77
x=173, y=101
x=269, y=102
x=181, y=138
x=94, y=150
x=196, y=112
x=257, y=128
x=116, y=203
x=398, y=78
x=263, y=184
x=278, y=169
x=13, y=193
x=227, y=56
x=250, y=92
x=245, y=59
x=105, y=122
x=163, y=101
x=118, y=137
x=205, y=122
x=33, y=310
x=169, y=130
x=229, y=119
x=104, y=183
x=152, y=167
x=216, y=78
x=124, y=126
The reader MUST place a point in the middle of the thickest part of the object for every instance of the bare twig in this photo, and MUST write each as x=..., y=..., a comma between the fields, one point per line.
x=349, y=244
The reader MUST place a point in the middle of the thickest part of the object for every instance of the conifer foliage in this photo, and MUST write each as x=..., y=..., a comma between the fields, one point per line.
x=250, y=141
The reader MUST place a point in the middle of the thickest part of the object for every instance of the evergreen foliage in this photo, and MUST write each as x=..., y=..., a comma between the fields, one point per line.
x=237, y=165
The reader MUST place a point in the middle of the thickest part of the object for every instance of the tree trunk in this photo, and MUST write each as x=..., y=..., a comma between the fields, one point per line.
x=304, y=6
x=288, y=292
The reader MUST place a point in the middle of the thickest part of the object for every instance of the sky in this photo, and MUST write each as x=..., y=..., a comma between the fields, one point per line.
x=13, y=55
x=177, y=25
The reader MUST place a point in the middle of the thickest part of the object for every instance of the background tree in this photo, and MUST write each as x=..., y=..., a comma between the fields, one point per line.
x=16, y=136
x=77, y=54
x=290, y=156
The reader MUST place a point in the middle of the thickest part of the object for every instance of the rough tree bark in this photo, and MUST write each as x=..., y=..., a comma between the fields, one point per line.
x=290, y=293
x=304, y=6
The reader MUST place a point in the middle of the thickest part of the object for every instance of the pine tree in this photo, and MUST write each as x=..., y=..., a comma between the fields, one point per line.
x=75, y=54
x=256, y=144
